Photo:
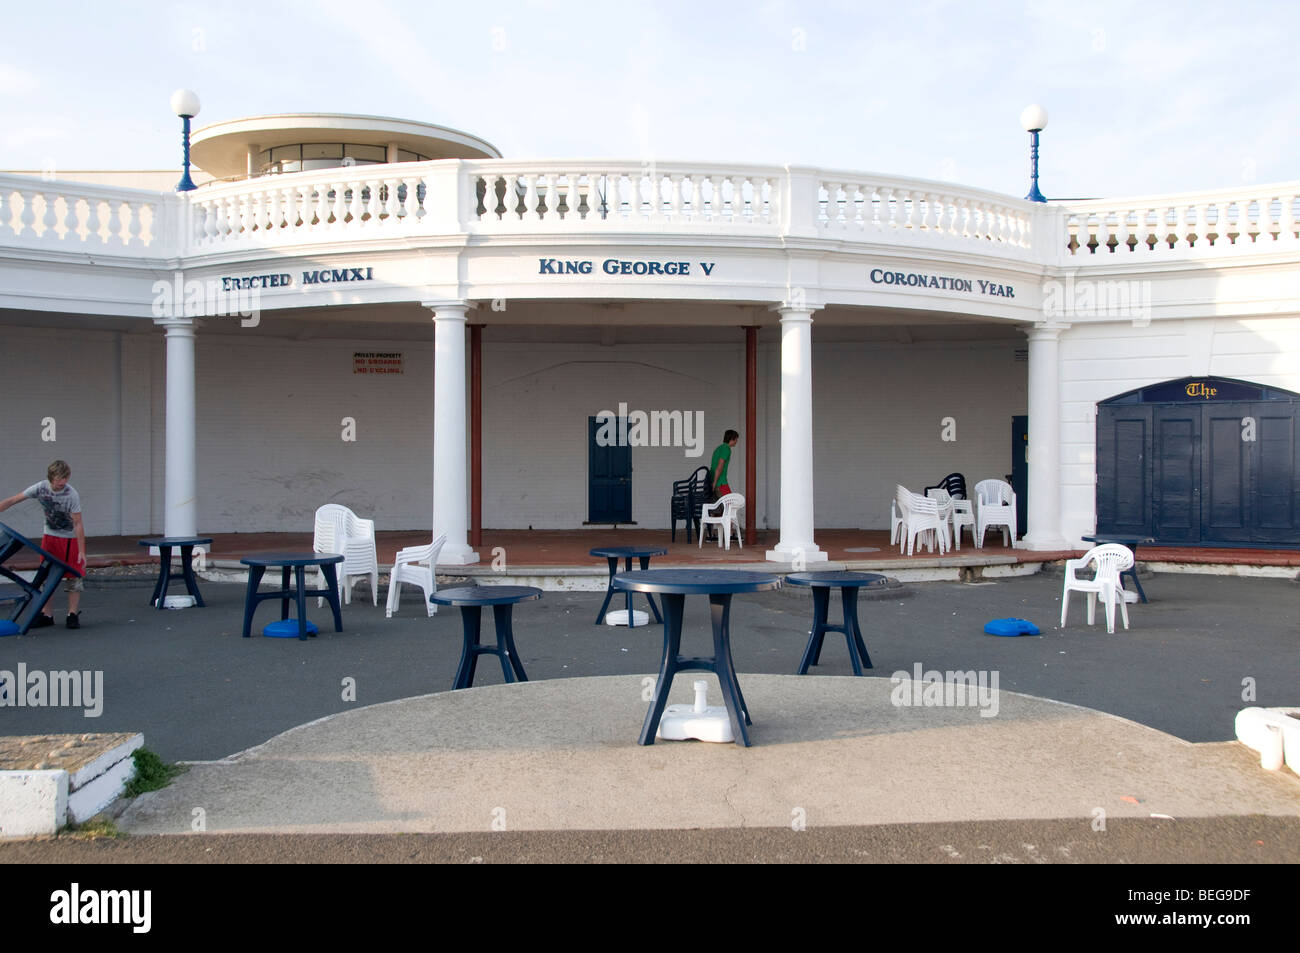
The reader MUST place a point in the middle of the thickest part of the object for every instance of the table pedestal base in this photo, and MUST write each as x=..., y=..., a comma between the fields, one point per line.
x=852, y=633
x=720, y=664
x=471, y=618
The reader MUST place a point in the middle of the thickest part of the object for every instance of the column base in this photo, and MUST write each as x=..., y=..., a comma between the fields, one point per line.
x=788, y=553
x=1043, y=542
x=452, y=555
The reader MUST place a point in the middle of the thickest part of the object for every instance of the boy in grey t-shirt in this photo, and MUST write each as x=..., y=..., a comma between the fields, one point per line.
x=65, y=537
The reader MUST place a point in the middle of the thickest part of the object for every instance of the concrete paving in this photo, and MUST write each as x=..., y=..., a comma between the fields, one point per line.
x=559, y=753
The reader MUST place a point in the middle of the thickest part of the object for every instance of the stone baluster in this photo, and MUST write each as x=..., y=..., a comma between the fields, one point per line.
x=1200, y=224
x=320, y=216
x=244, y=220
x=1180, y=226
x=1286, y=232
x=1264, y=225
x=530, y=195
x=115, y=207
x=273, y=212
x=338, y=211
x=388, y=200
x=675, y=196
x=356, y=208
x=741, y=209
x=135, y=225
x=373, y=205
x=1103, y=231
x=593, y=197
x=71, y=217
x=27, y=220
x=414, y=204
x=1163, y=229
x=6, y=212
x=48, y=220
x=220, y=226
x=1123, y=231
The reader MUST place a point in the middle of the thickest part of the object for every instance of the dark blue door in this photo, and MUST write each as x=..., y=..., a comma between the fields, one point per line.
x=1124, y=470
x=1176, y=480
x=1020, y=470
x=609, y=472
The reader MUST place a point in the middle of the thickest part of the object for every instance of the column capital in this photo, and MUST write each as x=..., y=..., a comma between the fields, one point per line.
x=178, y=326
x=798, y=310
x=1045, y=330
x=448, y=309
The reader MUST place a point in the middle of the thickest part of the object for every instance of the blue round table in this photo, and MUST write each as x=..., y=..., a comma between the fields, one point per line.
x=673, y=586
x=165, y=546
x=298, y=562
x=29, y=597
x=627, y=553
x=471, y=600
x=821, y=584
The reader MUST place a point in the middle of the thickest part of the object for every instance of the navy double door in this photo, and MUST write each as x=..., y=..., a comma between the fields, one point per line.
x=1199, y=473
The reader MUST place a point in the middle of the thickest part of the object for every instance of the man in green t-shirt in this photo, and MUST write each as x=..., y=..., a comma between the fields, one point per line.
x=718, y=470
x=718, y=465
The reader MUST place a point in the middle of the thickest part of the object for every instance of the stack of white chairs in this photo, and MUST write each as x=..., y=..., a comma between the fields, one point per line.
x=955, y=511
x=725, y=514
x=995, y=505
x=1110, y=560
x=414, y=565
x=342, y=532
x=921, y=520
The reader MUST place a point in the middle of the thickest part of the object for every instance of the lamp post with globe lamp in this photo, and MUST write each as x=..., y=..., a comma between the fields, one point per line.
x=185, y=103
x=1034, y=120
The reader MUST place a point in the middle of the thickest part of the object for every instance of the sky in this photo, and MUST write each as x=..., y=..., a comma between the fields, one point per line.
x=1142, y=97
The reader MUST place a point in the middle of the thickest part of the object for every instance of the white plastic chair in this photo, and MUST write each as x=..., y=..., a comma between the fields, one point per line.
x=921, y=520
x=414, y=565
x=1111, y=560
x=963, y=514
x=895, y=522
x=340, y=531
x=726, y=515
x=995, y=506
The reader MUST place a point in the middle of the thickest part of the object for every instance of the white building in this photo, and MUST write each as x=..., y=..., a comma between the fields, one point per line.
x=314, y=322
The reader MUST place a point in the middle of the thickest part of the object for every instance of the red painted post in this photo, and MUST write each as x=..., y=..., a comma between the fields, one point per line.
x=476, y=435
x=751, y=430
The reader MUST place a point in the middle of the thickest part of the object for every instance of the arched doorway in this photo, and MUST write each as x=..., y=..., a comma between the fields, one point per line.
x=1200, y=461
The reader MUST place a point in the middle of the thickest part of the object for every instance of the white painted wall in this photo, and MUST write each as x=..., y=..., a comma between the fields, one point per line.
x=537, y=399
x=1099, y=361
x=879, y=412
x=270, y=448
x=73, y=377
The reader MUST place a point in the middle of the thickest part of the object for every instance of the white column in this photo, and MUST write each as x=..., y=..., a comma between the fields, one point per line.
x=180, y=493
x=1043, y=511
x=796, y=519
x=450, y=462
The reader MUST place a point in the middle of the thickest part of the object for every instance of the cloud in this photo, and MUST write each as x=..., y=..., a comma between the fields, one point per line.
x=15, y=81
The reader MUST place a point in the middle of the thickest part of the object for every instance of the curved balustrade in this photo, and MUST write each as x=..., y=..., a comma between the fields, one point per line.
x=311, y=206
x=617, y=194
x=1220, y=222
x=35, y=212
x=915, y=211
x=501, y=197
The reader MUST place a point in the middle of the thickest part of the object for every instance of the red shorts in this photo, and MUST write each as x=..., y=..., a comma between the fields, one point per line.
x=65, y=549
x=721, y=491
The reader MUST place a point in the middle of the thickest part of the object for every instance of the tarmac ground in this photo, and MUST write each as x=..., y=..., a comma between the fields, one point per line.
x=557, y=755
